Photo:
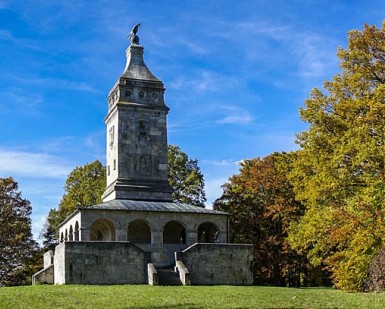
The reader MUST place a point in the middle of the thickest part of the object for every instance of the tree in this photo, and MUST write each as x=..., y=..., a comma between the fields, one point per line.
x=339, y=174
x=17, y=247
x=84, y=187
x=262, y=205
x=185, y=177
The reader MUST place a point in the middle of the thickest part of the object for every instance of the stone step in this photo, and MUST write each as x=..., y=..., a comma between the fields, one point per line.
x=168, y=276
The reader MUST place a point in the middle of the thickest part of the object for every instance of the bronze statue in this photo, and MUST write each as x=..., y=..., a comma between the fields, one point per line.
x=132, y=35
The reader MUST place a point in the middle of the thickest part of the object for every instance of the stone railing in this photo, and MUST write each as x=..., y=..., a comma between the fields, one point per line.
x=44, y=276
x=153, y=278
x=184, y=274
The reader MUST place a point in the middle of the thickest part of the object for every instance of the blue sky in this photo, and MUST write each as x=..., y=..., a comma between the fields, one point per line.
x=236, y=73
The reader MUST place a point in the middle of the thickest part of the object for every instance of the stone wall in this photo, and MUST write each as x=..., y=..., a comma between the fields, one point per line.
x=45, y=276
x=100, y=263
x=213, y=264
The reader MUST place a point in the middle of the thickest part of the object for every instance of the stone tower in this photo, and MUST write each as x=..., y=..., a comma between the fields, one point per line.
x=137, y=165
x=138, y=235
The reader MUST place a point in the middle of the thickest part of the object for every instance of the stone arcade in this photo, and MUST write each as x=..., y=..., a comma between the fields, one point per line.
x=138, y=235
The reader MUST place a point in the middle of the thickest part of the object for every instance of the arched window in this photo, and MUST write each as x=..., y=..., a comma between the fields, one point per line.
x=127, y=94
x=76, y=234
x=207, y=233
x=61, y=237
x=174, y=233
x=139, y=232
x=66, y=235
x=102, y=230
x=71, y=234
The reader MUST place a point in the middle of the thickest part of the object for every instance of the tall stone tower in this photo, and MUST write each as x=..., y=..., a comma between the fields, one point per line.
x=137, y=165
x=138, y=235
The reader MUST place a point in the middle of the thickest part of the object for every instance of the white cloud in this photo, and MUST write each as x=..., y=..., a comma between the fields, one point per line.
x=315, y=54
x=236, y=119
x=234, y=115
x=205, y=81
x=20, y=101
x=220, y=162
x=29, y=164
x=213, y=189
x=7, y=36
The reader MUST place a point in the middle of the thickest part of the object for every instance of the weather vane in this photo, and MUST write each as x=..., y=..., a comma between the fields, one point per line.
x=134, y=39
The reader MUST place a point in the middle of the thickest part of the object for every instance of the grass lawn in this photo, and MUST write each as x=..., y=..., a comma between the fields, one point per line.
x=144, y=296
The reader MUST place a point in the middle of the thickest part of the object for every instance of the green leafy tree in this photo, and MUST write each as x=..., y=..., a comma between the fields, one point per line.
x=262, y=205
x=17, y=247
x=339, y=174
x=185, y=177
x=49, y=231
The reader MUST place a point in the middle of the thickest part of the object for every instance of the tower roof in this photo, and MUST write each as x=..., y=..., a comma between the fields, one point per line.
x=155, y=206
x=135, y=66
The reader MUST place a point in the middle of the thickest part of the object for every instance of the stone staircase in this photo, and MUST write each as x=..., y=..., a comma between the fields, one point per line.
x=167, y=276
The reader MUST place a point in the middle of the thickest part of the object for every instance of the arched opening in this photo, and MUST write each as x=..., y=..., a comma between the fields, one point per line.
x=76, y=233
x=102, y=230
x=66, y=235
x=207, y=233
x=61, y=237
x=174, y=233
x=127, y=93
x=71, y=234
x=139, y=232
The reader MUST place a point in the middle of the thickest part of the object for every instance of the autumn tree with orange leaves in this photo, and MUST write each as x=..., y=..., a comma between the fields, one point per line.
x=262, y=205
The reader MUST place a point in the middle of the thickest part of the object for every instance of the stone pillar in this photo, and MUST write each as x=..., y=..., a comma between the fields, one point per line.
x=84, y=234
x=157, y=246
x=191, y=237
x=121, y=234
x=222, y=237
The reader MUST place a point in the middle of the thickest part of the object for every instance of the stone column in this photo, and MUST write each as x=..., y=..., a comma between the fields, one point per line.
x=121, y=234
x=157, y=246
x=222, y=236
x=84, y=234
x=191, y=237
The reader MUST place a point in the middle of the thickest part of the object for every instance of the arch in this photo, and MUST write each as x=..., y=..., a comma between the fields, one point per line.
x=76, y=233
x=61, y=237
x=66, y=235
x=71, y=234
x=208, y=233
x=139, y=231
x=127, y=94
x=102, y=230
x=174, y=233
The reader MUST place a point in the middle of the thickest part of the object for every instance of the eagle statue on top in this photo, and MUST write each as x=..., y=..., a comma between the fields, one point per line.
x=134, y=39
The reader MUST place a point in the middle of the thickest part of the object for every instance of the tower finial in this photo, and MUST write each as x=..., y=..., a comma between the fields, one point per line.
x=134, y=39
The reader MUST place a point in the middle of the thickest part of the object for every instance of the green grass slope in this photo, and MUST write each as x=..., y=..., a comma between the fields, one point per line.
x=195, y=297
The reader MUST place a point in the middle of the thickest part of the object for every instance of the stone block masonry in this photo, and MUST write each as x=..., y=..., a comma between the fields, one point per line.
x=100, y=263
x=215, y=264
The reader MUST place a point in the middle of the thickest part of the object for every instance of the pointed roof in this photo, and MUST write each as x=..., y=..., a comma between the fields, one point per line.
x=135, y=66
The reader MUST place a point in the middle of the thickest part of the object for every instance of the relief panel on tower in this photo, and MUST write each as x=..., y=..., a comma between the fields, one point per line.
x=143, y=137
x=143, y=165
